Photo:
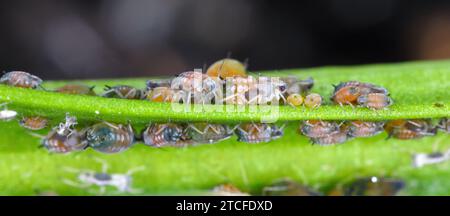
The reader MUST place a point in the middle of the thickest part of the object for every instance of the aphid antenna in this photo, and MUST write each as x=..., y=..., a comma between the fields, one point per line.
x=134, y=170
x=42, y=87
x=246, y=60
x=103, y=163
x=36, y=135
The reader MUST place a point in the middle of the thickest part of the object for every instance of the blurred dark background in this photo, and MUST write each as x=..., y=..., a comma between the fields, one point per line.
x=67, y=39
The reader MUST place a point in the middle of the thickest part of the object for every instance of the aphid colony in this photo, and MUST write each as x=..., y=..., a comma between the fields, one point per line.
x=226, y=81
x=333, y=132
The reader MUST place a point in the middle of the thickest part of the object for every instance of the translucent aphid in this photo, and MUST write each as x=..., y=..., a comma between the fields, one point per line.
x=56, y=143
x=78, y=89
x=122, y=91
x=21, y=79
x=89, y=178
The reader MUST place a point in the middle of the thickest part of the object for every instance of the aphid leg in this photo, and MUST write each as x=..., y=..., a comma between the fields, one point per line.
x=102, y=190
x=196, y=129
x=241, y=130
x=111, y=125
x=76, y=184
x=283, y=98
x=134, y=170
x=36, y=135
x=108, y=90
x=214, y=129
x=131, y=92
x=256, y=127
x=231, y=130
x=103, y=163
x=161, y=129
x=350, y=104
x=42, y=87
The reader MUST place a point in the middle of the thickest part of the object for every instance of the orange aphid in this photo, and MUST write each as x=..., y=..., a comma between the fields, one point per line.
x=161, y=94
x=313, y=100
x=34, y=123
x=295, y=100
x=227, y=68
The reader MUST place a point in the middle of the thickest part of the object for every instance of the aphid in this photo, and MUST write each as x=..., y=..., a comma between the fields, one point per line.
x=364, y=129
x=76, y=89
x=347, y=93
x=444, y=125
x=287, y=187
x=375, y=100
x=409, y=129
x=330, y=139
x=297, y=86
x=317, y=128
x=5, y=114
x=66, y=128
x=163, y=94
x=268, y=91
x=122, y=91
x=294, y=100
x=422, y=159
x=313, y=100
x=88, y=178
x=228, y=190
x=63, y=144
x=258, y=132
x=237, y=90
x=200, y=85
x=21, y=79
x=374, y=186
x=110, y=138
x=225, y=68
x=161, y=135
x=34, y=122
x=208, y=133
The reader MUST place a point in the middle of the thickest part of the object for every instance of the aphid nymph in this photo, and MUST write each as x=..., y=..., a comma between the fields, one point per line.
x=110, y=138
x=375, y=100
x=63, y=144
x=364, y=129
x=76, y=89
x=122, y=91
x=225, y=68
x=313, y=100
x=161, y=135
x=208, y=133
x=34, y=122
x=21, y=79
x=258, y=132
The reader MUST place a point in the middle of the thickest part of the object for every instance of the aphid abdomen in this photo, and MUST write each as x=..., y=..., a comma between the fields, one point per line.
x=375, y=100
x=334, y=138
x=364, y=129
x=109, y=138
x=160, y=135
x=57, y=143
x=76, y=89
x=316, y=129
x=34, y=123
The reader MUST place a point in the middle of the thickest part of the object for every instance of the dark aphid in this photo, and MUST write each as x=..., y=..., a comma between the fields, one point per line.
x=6, y=114
x=444, y=125
x=374, y=186
x=208, y=133
x=332, y=138
x=122, y=91
x=21, y=79
x=375, y=101
x=297, y=86
x=76, y=89
x=287, y=187
x=110, y=138
x=160, y=135
x=313, y=100
x=34, y=122
x=258, y=132
x=225, y=68
x=364, y=129
x=317, y=128
x=347, y=93
x=409, y=129
x=294, y=100
x=228, y=190
x=57, y=143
